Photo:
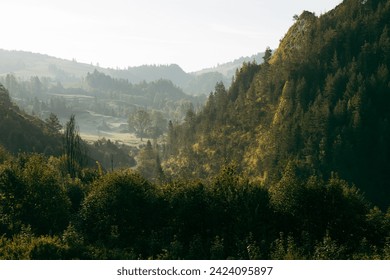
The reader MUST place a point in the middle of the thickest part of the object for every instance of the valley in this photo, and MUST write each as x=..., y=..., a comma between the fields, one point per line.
x=61, y=87
x=286, y=158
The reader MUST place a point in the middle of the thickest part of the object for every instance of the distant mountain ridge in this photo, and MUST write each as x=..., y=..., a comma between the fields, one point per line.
x=228, y=69
x=27, y=64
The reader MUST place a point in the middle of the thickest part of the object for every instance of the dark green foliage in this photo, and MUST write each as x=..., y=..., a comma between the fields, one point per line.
x=25, y=245
x=76, y=193
x=122, y=216
x=32, y=194
x=119, y=209
x=4, y=155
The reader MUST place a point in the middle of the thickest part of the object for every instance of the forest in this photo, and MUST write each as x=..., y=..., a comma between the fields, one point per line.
x=292, y=161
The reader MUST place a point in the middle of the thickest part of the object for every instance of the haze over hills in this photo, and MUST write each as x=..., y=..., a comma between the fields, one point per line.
x=228, y=69
x=102, y=104
x=26, y=64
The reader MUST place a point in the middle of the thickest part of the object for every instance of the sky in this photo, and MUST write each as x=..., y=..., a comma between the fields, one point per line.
x=194, y=34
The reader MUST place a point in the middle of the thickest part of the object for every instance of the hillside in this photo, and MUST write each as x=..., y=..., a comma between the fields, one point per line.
x=24, y=133
x=320, y=104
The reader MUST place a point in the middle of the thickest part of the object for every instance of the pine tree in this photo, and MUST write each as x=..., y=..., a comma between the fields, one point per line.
x=53, y=123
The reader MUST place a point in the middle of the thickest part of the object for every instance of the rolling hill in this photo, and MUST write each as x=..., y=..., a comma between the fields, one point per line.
x=69, y=72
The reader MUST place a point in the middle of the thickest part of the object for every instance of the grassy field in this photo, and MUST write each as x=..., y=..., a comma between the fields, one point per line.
x=95, y=126
x=129, y=139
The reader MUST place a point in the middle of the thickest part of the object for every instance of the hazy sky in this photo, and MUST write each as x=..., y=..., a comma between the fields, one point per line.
x=118, y=33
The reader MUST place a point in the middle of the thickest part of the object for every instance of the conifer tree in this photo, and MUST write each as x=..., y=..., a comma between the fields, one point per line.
x=74, y=152
x=54, y=123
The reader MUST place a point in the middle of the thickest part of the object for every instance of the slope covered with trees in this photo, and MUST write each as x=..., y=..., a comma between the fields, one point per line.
x=21, y=132
x=320, y=101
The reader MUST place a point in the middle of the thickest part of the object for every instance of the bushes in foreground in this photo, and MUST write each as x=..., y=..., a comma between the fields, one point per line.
x=120, y=215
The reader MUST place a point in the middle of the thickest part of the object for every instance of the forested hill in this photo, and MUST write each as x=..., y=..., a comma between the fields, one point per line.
x=318, y=106
x=23, y=133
